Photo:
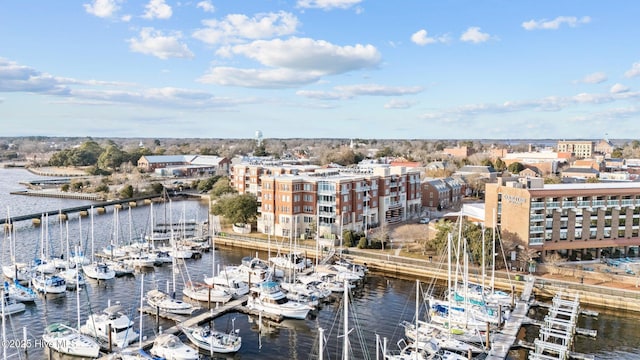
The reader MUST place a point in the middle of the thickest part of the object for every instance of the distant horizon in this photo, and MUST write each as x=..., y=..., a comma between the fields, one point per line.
x=297, y=69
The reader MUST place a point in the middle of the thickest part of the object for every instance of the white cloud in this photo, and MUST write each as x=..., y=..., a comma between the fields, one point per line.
x=236, y=27
x=154, y=42
x=422, y=38
x=157, y=9
x=474, y=35
x=327, y=4
x=595, y=78
x=292, y=62
x=305, y=54
x=618, y=88
x=399, y=104
x=555, y=24
x=634, y=71
x=125, y=18
x=206, y=6
x=351, y=91
x=379, y=90
x=102, y=8
x=258, y=78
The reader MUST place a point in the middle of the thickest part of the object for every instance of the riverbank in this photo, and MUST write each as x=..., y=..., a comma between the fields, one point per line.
x=615, y=292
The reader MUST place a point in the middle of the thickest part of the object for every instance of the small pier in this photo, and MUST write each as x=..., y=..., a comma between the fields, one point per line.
x=557, y=333
x=236, y=305
x=502, y=341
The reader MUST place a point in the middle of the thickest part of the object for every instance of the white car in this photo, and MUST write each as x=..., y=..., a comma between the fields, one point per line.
x=424, y=220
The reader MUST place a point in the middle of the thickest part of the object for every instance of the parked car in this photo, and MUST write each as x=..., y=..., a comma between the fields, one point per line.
x=425, y=220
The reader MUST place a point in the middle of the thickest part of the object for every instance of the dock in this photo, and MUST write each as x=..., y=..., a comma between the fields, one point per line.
x=504, y=339
x=200, y=317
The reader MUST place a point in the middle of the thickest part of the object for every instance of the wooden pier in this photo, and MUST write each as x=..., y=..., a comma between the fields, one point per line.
x=197, y=319
x=503, y=340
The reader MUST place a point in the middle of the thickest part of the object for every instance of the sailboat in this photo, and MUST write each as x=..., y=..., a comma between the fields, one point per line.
x=19, y=292
x=207, y=291
x=43, y=282
x=97, y=270
x=10, y=306
x=211, y=340
x=14, y=270
x=67, y=340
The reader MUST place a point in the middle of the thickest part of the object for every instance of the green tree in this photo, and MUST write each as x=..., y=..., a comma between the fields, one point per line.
x=221, y=187
x=515, y=167
x=207, y=185
x=239, y=209
x=617, y=153
x=552, y=180
x=592, y=180
x=65, y=187
x=499, y=165
x=126, y=192
x=112, y=157
x=157, y=187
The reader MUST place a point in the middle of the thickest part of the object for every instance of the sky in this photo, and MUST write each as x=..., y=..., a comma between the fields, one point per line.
x=403, y=69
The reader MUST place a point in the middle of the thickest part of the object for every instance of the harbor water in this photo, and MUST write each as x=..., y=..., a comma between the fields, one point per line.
x=378, y=307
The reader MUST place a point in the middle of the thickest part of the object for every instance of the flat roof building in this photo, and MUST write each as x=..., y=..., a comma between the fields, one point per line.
x=571, y=219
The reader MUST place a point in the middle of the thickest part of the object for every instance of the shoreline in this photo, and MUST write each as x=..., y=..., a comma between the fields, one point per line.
x=615, y=294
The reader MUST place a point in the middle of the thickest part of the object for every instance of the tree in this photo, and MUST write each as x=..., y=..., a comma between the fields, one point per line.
x=592, y=180
x=157, y=187
x=239, y=209
x=515, y=167
x=207, y=185
x=499, y=165
x=617, y=153
x=112, y=157
x=126, y=192
x=221, y=187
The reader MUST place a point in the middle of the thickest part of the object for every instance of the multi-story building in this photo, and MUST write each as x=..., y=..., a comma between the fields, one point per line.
x=337, y=199
x=579, y=148
x=436, y=193
x=566, y=218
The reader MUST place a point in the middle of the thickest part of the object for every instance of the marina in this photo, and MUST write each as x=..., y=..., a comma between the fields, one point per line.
x=267, y=337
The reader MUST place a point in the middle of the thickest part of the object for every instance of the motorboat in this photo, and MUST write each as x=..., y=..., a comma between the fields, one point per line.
x=114, y=318
x=163, y=302
x=67, y=340
x=235, y=287
x=169, y=346
x=269, y=297
x=212, y=340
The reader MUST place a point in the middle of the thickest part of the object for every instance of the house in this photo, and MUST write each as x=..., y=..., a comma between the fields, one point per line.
x=529, y=171
x=580, y=173
x=184, y=165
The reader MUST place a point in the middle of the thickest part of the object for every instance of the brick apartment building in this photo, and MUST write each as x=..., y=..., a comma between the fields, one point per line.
x=292, y=202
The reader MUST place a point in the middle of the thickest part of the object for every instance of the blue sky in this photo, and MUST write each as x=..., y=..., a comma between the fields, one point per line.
x=417, y=69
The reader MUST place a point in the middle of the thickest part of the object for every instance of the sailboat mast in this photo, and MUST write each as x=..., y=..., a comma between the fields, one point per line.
x=493, y=254
x=92, y=236
x=345, y=339
x=483, y=264
x=417, y=314
x=78, y=295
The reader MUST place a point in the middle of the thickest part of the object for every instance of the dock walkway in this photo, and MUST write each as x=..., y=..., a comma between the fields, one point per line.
x=502, y=341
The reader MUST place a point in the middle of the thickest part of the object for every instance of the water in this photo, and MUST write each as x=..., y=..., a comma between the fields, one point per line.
x=379, y=307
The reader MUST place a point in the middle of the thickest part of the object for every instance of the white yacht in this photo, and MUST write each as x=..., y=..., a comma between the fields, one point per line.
x=19, y=293
x=10, y=306
x=204, y=292
x=164, y=302
x=67, y=340
x=169, y=346
x=211, y=340
x=268, y=297
x=122, y=332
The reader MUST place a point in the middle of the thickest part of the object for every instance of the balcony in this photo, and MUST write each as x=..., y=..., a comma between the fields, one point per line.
x=553, y=205
x=536, y=241
x=537, y=205
x=597, y=203
x=327, y=213
x=537, y=229
x=568, y=204
x=537, y=217
x=584, y=204
x=627, y=202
